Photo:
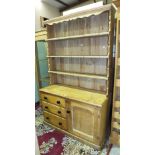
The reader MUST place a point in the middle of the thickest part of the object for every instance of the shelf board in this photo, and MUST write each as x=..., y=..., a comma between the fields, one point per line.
x=78, y=56
x=79, y=36
x=80, y=75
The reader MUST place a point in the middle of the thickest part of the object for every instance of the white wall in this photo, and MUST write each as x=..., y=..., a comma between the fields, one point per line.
x=45, y=10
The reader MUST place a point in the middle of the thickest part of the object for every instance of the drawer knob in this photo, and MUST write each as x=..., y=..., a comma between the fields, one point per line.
x=58, y=102
x=59, y=112
x=45, y=98
x=46, y=107
x=47, y=117
x=60, y=123
x=68, y=111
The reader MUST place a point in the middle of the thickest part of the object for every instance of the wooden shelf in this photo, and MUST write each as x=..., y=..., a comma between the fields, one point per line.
x=79, y=14
x=79, y=36
x=80, y=50
x=80, y=75
x=92, y=98
x=79, y=56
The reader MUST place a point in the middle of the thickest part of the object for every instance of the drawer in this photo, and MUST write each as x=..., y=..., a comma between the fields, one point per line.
x=55, y=120
x=53, y=99
x=54, y=109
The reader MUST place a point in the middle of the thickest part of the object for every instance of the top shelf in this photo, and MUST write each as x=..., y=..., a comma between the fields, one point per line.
x=79, y=36
x=80, y=14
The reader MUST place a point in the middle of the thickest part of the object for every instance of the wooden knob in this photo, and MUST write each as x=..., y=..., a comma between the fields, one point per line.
x=45, y=98
x=59, y=112
x=58, y=102
x=68, y=111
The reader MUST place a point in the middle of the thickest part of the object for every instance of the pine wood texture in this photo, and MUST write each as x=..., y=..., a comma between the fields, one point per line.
x=84, y=113
x=79, y=36
x=76, y=137
x=86, y=122
x=41, y=35
x=55, y=120
x=115, y=127
x=80, y=57
x=53, y=99
x=80, y=75
x=79, y=51
x=116, y=3
x=51, y=93
x=57, y=110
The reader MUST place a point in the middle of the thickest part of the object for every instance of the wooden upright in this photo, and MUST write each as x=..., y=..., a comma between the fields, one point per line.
x=115, y=126
x=80, y=57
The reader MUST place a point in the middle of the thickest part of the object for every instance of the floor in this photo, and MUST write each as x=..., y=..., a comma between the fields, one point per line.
x=115, y=150
x=37, y=152
x=53, y=142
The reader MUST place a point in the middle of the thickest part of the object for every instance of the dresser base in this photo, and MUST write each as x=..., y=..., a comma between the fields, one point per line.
x=77, y=138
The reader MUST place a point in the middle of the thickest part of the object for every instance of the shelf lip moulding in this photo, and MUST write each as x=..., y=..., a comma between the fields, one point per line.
x=80, y=75
x=79, y=36
x=80, y=56
x=80, y=14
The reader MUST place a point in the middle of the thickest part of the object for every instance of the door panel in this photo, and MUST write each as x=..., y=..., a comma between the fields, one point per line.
x=80, y=117
x=84, y=121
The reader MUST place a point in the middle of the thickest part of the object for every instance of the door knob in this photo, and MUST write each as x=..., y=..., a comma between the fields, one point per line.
x=59, y=112
x=68, y=111
x=60, y=123
x=45, y=98
x=58, y=102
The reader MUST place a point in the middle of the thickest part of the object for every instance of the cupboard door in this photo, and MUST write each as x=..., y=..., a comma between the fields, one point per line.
x=85, y=121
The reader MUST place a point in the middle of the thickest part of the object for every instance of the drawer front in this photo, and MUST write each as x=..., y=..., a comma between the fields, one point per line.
x=53, y=99
x=55, y=120
x=54, y=109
